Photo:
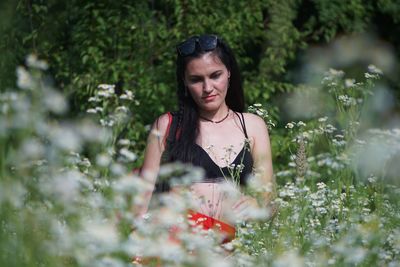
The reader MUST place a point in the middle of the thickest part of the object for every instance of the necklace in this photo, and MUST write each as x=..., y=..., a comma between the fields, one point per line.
x=221, y=120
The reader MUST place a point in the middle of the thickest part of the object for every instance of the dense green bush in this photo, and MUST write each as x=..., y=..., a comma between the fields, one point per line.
x=68, y=203
x=131, y=44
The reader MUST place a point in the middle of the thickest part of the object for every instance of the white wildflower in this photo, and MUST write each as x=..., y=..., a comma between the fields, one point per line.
x=130, y=184
x=127, y=95
x=372, y=179
x=117, y=169
x=105, y=94
x=106, y=86
x=323, y=119
x=375, y=70
x=284, y=173
x=32, y=149
x=94, y=99
x=122, y=109
x=124, y=142
x=65, y=186
x=349, y=83
x=300, y=124
x=290, y=125
x=321, y=185
x=66, y=138
x=101, y=234
x=128, y=155
x=33, y=62
x=55, y=101
x=290, y=258
x=103, y=160
x=360, y=142
x=24, y=79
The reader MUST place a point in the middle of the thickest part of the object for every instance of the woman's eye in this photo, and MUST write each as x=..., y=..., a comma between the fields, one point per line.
x=215, y=76
x=194, y=80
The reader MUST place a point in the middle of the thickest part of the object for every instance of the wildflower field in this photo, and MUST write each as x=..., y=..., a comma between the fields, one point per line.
x=82, y=81
x=67, y=189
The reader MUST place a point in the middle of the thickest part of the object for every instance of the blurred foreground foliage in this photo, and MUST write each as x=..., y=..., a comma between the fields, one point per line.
x=66, y=189
x=130, y=44
x=68, y=195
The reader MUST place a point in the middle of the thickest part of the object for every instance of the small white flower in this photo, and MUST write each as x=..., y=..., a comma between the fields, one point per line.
x=372, y=179
x=373, y=69
x=301, y=123
x=124, y=142
x=360, y=142
x=102, y=234
x=117, y=169
x=105, y=94
x=66, y=186
x=130, y=156
x=31, y=148
x=33, y=61
x=55, y=101
x=321, y=185
x=289, y=125
x=24, y=78
x=289, y=258
x=93, y=99
x=349, y=83
x=66, y=138
x=106, y=86
x=103, y=160
x=91, y=110
x=122, y=109
x=323, y=119
x=128, y=95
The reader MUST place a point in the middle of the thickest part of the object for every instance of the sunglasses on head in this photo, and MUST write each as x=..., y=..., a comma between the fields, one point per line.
x=207, y=42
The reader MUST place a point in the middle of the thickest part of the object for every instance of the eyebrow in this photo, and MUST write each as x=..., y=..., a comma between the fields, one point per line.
x=212, y=73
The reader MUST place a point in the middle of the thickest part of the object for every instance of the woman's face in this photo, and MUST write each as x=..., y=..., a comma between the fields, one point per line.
x=207, y=80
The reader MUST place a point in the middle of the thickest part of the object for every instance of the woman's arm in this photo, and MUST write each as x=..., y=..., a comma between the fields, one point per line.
x=261, y=153
x=152, y=158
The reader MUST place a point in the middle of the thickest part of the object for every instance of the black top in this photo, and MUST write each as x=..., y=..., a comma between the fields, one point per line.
x=239, y=168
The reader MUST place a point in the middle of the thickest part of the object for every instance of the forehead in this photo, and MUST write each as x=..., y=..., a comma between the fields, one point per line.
x=206, y=63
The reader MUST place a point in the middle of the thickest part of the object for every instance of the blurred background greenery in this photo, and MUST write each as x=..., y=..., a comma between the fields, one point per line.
x=325, y=75
x=131, y=44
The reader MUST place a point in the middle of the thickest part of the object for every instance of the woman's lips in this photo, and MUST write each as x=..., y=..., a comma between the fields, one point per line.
x=209, y=98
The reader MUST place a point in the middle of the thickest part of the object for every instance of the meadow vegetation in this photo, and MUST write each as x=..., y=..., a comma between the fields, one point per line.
x=80, y=84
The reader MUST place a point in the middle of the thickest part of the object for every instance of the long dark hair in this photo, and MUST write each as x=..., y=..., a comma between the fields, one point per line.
x=188, y=117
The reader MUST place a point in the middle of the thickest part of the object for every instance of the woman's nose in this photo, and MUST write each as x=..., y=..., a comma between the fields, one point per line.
x=207, y=86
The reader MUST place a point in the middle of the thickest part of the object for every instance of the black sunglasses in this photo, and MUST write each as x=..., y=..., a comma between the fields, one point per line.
x=207, y=42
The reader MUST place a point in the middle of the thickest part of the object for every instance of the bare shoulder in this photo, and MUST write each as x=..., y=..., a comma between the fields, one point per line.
x=255, y=126
x=161, y=124
x=253, y=120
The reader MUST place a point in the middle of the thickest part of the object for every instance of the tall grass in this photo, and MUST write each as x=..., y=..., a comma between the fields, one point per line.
x=67, y=193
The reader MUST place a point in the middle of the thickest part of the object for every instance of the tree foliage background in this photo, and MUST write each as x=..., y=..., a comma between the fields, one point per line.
x=66, y=185
x=132, y=44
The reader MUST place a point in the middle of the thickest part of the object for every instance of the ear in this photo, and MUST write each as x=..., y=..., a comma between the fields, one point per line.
x=229, y=74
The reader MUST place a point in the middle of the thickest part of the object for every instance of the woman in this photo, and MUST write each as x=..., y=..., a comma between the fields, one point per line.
x=212, y=132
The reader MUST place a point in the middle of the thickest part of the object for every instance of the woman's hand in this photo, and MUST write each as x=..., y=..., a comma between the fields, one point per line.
x=246, y=207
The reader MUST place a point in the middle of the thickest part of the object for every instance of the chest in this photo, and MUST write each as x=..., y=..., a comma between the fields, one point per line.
x=222, y=143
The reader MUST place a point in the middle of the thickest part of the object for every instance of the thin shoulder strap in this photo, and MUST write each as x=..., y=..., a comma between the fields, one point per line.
x=241, y=119
x=172, y=134
x=168, y=128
